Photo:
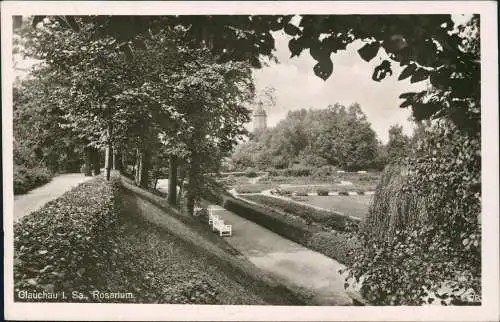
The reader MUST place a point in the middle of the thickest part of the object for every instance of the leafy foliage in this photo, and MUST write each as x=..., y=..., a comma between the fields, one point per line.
x=426, y=236
x=26, y=179
x=335, y=136
x=62, y=246
x=430, y=47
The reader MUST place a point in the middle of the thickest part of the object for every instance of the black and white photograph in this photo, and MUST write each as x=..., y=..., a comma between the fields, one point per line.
x=286, y=161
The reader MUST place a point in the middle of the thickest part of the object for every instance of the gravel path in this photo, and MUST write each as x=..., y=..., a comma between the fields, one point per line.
x=289, y=262
x=36, y=198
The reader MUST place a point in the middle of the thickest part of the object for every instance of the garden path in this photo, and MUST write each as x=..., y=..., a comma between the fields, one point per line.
x=36, y=198
x=286, y=261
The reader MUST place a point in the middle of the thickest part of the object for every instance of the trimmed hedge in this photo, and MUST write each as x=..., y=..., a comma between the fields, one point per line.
x=62, y=247
x=340, y=246
x=269, y=219
x=322, y=192
x=253, y=188
x=26, y=179
x=325, y=218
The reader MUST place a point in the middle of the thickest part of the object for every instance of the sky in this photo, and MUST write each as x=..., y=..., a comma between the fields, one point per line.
x=297, y=87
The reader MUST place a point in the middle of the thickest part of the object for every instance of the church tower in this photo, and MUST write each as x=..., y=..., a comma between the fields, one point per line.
x=259, y=118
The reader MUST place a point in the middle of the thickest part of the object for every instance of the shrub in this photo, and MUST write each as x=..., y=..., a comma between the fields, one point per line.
x=324, y=171
x=297, y=172
x=322, y=192
x=251, y=173
x=341, y=246
x=268, y=219
x=428, y=210
x=62, y=246
x=26, y=179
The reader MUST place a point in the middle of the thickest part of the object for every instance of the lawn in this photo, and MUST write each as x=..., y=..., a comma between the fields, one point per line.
x=356, y=206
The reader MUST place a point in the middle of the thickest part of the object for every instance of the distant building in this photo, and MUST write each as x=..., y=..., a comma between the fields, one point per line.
x=259, y=118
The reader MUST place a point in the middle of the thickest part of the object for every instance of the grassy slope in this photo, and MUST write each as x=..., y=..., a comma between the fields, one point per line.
x=181, y=256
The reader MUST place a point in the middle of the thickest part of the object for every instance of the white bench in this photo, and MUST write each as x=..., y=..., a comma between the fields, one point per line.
x=212, y=218
x=223, y=229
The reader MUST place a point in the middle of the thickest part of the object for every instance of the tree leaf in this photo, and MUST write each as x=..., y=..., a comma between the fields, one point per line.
x=292, y=30
x=295, y=47
x=382, y=70
x=323, y=68
x=407, y=72
x=369, y=51
x=419, y=75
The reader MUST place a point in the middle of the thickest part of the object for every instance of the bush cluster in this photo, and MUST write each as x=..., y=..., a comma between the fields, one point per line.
x=26, y=179
x=343, y=246
x=422, y=235
x=251, y=173
x=292, y=172
x=62, y=247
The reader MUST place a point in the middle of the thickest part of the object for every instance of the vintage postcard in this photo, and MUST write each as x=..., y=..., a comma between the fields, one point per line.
x=238, y=161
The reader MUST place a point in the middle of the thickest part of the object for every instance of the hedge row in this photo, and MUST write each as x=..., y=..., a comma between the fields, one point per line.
x=325, y=218
x=26, y=179
x=340, y=246
x=269, y=219
x=62, y=247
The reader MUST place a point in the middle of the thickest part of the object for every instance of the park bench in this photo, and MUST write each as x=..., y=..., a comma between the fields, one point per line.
x=223, y=229
x=218, y=224
x=212, y=218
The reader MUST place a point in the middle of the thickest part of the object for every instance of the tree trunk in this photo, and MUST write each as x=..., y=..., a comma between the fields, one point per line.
x=193, y=186
x=172, y=181
x=95, y=161
x=114, y=158
x=88, y=161
x=117, y=158
x=145, y=167
x=137, y=167
x=109, y=152
x=109, y=160
x=124, y=161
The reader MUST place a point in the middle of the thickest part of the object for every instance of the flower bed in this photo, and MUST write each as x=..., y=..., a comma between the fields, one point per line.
x=62, y=246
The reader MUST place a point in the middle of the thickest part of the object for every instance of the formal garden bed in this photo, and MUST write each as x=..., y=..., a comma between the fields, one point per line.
x=356, y=206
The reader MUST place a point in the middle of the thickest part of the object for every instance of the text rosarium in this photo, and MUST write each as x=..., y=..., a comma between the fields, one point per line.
x=98, y=295
x=75, y=295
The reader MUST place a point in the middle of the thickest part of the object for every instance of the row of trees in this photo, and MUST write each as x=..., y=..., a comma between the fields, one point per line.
x=168, y=100
x=337, y=136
